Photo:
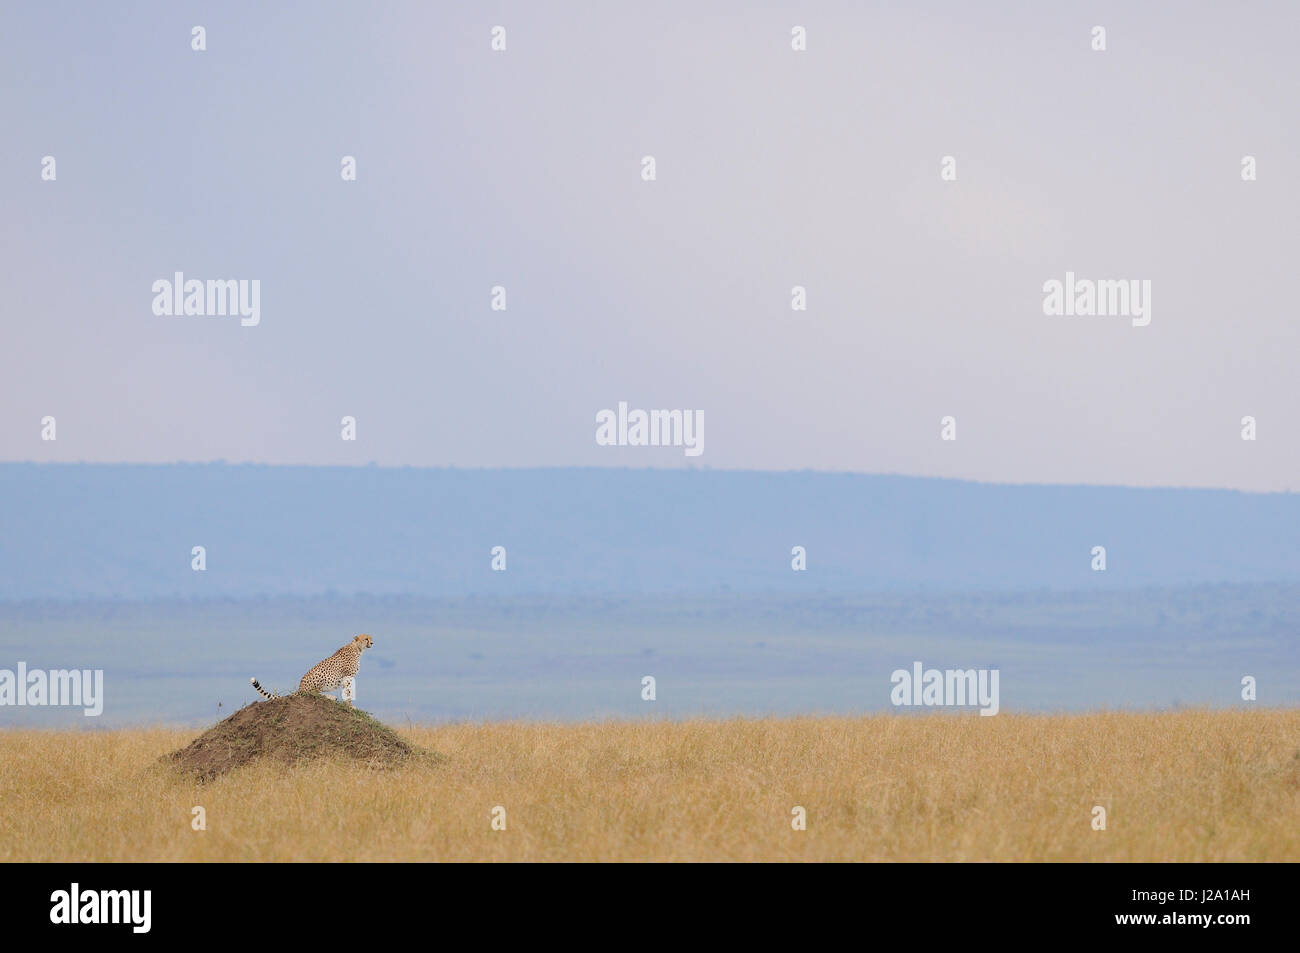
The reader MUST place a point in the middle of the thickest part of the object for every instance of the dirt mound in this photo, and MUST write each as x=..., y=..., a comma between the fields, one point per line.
x=289, y=729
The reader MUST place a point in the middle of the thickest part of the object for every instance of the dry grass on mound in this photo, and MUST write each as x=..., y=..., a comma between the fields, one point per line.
x=288, y=730
x=1177, y=786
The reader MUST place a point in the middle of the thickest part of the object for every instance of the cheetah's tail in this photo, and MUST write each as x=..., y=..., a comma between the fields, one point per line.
x=260, y=690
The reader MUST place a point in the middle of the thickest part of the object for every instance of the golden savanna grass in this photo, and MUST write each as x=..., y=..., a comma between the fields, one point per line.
x=1177, y=786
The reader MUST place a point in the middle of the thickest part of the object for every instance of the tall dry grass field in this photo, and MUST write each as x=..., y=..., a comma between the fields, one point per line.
x=1186, y=786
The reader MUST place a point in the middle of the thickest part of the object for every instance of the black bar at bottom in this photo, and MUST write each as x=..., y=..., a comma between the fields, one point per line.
x=929, y=902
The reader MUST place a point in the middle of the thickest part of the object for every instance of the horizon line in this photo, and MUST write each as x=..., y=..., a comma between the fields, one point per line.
x=690, y=468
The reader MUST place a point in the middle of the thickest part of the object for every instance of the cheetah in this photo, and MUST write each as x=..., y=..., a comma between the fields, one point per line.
x=337, y=671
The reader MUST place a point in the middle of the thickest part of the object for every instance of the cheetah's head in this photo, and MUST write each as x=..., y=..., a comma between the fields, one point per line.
x=363, y=642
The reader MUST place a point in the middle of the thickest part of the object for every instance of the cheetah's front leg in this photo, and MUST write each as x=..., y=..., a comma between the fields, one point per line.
x=349, y=689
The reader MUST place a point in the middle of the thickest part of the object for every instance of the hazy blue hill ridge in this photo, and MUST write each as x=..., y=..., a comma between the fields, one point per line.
x=78, y=530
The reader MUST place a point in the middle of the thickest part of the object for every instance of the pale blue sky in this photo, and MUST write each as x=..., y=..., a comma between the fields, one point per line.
x=775, y=168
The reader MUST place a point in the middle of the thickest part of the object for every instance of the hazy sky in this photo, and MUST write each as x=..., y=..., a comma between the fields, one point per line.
x=775, y=168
